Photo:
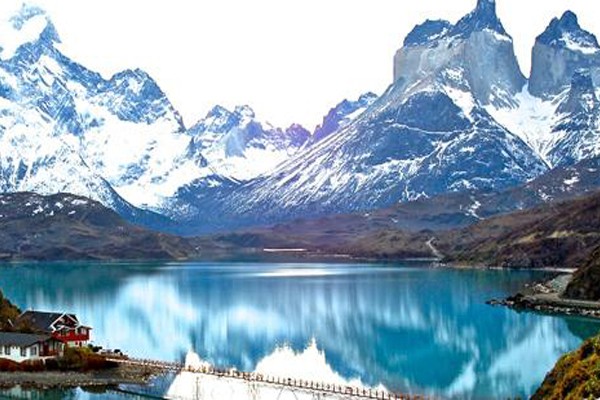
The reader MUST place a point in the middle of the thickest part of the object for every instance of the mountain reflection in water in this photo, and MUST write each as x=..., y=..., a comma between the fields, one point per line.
x=407, y=327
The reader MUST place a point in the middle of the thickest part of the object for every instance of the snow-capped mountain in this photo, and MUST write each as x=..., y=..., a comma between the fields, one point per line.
x=429, y=133
x=557, y=113
x=562, y=49
x=459, y=115
x=238, y=146
x=64, y=128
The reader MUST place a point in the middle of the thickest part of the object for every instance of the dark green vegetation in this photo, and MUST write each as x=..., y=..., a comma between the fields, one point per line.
x=575, y=376
x=8, y=313
x=67, y=227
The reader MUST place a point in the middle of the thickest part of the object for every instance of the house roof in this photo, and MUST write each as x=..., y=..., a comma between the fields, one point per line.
x=22, y=339
x=43, y=320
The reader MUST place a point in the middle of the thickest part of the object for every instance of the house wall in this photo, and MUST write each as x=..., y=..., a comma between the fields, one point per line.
x=31, y=353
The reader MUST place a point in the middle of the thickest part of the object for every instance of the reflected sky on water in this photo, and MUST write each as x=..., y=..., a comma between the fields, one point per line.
x=407, y=326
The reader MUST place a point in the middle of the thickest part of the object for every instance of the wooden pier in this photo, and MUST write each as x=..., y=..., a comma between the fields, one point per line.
x=322, y=388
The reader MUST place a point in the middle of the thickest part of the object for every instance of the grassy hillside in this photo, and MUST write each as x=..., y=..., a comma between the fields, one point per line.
x=561, y=234
x=575, y=376
x=557, y=235
x=67, y=227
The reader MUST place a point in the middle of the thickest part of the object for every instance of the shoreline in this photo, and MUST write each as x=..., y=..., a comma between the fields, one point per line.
x=45, y=380
x=545, y=297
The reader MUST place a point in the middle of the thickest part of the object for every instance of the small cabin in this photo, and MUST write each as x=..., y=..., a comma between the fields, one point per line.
x=61, y=326
x=21, y=347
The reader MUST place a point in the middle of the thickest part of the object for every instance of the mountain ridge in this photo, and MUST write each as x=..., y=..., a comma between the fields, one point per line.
x=459, y=116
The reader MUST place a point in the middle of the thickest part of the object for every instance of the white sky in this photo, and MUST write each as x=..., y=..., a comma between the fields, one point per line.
x=290, y=60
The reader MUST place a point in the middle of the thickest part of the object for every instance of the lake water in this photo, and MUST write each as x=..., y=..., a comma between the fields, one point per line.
x=408, y=327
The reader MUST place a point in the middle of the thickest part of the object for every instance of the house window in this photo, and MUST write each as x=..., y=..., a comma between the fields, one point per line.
x=7, y=350
x=23, y=351
x=34, y=351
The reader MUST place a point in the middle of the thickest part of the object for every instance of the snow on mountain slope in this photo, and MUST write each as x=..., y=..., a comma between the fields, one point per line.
x=66, y=128
x=459, y=115
x=21, y=28
x=557, y=114
x=84, y=133
x=238, y=146
x=427, y=134
x=33, y=159
x=532, y=119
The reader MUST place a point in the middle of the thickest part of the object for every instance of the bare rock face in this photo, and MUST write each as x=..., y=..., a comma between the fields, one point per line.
x=559, y=52
x=477, y=47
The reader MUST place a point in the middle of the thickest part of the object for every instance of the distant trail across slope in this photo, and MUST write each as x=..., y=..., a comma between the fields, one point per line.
x=434, y=250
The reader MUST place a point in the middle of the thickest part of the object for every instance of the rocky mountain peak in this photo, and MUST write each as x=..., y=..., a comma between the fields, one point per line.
x=245, y=111
x=483, y=17
x=559, y=52
x=30, y=26
x=566, y=32
x=428, y=32
x=135, y=96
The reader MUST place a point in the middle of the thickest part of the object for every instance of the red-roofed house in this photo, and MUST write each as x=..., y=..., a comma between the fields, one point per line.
x=61, y=326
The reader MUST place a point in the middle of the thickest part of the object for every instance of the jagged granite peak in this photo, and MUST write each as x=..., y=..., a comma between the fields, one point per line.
x=428, y=32
x=245, y=111
x=566, y=32
x=401, y=148
x=483, y=17
x=221, y=120
x=66, y=128
x=559, y=52
x=297, y=134
x=343, y=114
x=476, y=57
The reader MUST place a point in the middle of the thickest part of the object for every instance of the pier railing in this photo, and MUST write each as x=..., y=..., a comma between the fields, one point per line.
x=352, y=392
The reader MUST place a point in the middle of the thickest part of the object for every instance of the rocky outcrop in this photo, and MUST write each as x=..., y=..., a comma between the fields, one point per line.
x=585, y=285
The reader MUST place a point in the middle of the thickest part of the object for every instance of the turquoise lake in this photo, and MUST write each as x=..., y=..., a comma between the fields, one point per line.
x=409, y=327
